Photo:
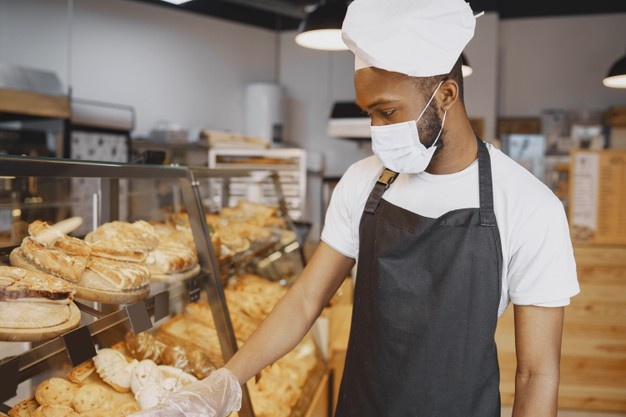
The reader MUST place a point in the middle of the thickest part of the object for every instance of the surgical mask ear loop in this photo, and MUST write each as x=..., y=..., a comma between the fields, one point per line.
x=428, y=104
x=443, y=121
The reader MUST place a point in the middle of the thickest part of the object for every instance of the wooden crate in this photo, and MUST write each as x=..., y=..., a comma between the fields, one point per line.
x=593, y=362
x=616, y=116
x=511, y=125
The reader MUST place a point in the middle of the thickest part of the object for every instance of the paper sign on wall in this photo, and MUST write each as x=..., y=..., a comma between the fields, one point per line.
x=598, y=197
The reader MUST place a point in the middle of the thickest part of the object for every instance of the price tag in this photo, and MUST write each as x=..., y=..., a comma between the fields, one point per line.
x=10, y=378
x=79, y=345
x=194, y=290
x=161, y=305
x=139, y=317
x=4, y=409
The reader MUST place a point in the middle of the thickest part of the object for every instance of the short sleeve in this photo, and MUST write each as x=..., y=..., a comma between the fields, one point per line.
x=338, y=225
x=542, y=269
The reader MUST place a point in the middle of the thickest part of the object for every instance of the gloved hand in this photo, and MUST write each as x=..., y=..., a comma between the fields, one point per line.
x=215, y=396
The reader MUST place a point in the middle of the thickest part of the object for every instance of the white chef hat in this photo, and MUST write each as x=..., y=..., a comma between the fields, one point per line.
x=419, y=38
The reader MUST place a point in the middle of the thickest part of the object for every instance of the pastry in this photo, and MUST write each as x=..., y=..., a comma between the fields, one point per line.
x=91, y=397
x=114, y=369
x=56, y=391
x=54, y=410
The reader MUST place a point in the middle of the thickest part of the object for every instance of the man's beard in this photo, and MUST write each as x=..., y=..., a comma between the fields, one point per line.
x=430, y=128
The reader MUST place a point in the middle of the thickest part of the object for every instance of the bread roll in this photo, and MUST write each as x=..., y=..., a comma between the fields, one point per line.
x=114, y=369
x=144, y=346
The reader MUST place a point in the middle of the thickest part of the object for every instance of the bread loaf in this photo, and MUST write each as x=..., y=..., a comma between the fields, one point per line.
x=175, y=253
x=144, y=346
x=115, y=275
x=51, y=261
x=52, y=238
x=34, y=306
x=139, y=234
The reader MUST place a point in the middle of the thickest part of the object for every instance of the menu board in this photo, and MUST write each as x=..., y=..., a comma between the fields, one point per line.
x=598, y=197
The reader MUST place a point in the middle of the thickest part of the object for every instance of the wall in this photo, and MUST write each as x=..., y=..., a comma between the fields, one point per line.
x=481, y=88
x=559, y=63
x=172, y=66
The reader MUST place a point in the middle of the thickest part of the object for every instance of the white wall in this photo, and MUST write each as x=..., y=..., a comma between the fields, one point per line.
x=481, y=88
x=314, y=80
x=559, y=63
x=169, y=65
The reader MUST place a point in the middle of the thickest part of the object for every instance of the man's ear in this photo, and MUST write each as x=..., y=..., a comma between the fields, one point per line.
x=448, y=94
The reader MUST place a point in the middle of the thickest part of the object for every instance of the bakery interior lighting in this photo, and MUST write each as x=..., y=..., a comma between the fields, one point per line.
x=321, y=29
x=176, y=2
x=616, y=78
x=466, y=69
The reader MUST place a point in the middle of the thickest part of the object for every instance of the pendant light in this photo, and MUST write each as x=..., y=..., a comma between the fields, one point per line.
x=466, y=69
x=616, y=78
x=321, y=29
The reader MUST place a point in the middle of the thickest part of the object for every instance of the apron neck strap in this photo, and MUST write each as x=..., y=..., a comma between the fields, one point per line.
x=387, y=177
x=485, y=184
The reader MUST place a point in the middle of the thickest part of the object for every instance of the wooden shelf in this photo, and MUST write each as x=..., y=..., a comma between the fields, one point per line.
x=35, y=105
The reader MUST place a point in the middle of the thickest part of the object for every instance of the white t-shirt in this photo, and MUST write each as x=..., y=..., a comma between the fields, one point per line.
x=538, y=260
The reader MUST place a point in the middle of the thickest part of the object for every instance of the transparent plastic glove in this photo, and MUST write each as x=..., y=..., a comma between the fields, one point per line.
x=218, y=395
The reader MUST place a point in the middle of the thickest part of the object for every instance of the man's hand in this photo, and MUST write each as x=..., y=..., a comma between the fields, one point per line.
x=215, y=396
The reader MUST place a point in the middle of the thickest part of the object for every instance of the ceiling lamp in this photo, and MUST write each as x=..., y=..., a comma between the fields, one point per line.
x=466, y=70
x=176, y=2
x=321, y=29
x=616, y=78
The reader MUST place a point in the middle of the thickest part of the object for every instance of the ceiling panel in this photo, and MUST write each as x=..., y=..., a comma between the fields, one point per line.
x=282, y=14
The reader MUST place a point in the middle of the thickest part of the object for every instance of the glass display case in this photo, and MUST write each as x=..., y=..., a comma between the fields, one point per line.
x=164, y=199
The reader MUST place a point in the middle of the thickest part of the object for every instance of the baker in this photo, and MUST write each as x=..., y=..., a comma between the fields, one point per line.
x=446, y=231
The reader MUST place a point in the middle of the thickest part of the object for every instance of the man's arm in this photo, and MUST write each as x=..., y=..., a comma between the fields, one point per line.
x=294, y=315
x=538, y=332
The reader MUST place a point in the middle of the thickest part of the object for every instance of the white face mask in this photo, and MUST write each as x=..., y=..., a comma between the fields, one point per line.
x=398, y=145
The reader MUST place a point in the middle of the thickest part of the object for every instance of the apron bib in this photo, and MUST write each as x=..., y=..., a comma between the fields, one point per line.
x=425, y=310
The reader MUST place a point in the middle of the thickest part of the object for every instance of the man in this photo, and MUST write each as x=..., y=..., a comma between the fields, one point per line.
x=442, y=247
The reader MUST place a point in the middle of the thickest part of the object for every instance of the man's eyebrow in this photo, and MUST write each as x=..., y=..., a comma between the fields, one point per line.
x=376, y=104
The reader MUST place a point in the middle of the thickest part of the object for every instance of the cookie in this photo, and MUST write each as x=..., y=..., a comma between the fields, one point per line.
x=56, y=391
x=54, y=410
x=90, y=397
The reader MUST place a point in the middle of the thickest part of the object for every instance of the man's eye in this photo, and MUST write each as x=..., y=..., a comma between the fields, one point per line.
x=388, y=113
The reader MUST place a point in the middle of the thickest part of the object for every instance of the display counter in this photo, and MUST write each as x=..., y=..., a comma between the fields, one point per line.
x=172, y=311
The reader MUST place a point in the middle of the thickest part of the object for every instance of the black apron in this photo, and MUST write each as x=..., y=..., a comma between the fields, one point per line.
x=425, y=310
